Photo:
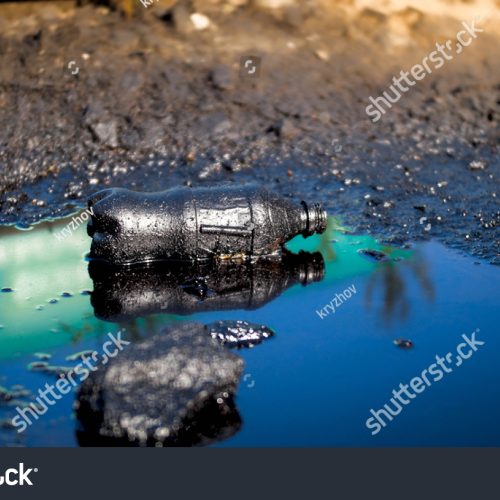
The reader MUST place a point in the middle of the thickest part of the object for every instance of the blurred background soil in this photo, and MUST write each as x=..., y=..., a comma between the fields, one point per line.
x=119, y=94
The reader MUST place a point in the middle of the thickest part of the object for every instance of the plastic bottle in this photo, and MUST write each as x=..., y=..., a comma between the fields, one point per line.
x=242, y=221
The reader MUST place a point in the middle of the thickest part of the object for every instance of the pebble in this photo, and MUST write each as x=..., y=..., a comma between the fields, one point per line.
x=477, y=165
x=403, y=343
x=287, y=130
x=200, y=21
x=106, y=133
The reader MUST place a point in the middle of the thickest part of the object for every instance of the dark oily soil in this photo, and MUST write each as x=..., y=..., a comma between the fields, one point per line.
x=156, y=103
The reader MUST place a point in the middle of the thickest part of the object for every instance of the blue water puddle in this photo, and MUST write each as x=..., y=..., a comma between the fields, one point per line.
x=315, y=381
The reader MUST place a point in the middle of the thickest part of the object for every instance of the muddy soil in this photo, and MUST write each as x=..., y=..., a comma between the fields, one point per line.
x=91, y=99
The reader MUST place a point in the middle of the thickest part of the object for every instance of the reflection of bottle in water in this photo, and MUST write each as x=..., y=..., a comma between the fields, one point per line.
x=122, y=294
x=196, y=224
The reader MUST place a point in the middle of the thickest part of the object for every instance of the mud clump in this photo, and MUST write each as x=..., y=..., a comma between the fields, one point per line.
x=172, y=389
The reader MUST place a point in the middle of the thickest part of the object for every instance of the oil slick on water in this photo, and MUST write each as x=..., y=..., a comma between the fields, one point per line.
x=315, y=380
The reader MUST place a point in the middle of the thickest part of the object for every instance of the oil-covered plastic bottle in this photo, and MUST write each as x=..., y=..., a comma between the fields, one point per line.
x=243, y=221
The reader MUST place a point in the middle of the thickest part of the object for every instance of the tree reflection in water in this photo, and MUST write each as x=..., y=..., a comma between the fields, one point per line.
x=392, y=277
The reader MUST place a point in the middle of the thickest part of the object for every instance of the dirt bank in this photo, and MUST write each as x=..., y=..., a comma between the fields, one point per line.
x=89, y=98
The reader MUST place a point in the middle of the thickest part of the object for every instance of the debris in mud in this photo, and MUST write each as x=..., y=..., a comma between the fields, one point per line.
x=6, y=290
x=375, y=255
x=171, y=389
x=187, y=224
x=239, y=333
x=403, y=343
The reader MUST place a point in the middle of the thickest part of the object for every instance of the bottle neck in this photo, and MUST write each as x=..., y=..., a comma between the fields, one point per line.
x=313, y=219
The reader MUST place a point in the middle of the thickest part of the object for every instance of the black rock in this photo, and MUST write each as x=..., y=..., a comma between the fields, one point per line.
x=171, y=389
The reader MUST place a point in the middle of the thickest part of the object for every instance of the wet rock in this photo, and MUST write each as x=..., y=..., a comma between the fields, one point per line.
x=106, y=133
x=286, y=130
x=239, y=333
x=161, y=390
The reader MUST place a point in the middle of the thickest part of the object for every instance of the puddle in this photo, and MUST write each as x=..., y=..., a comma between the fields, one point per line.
x=348, y=326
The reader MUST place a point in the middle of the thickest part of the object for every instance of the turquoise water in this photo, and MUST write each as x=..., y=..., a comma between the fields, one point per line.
x=315, y=381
